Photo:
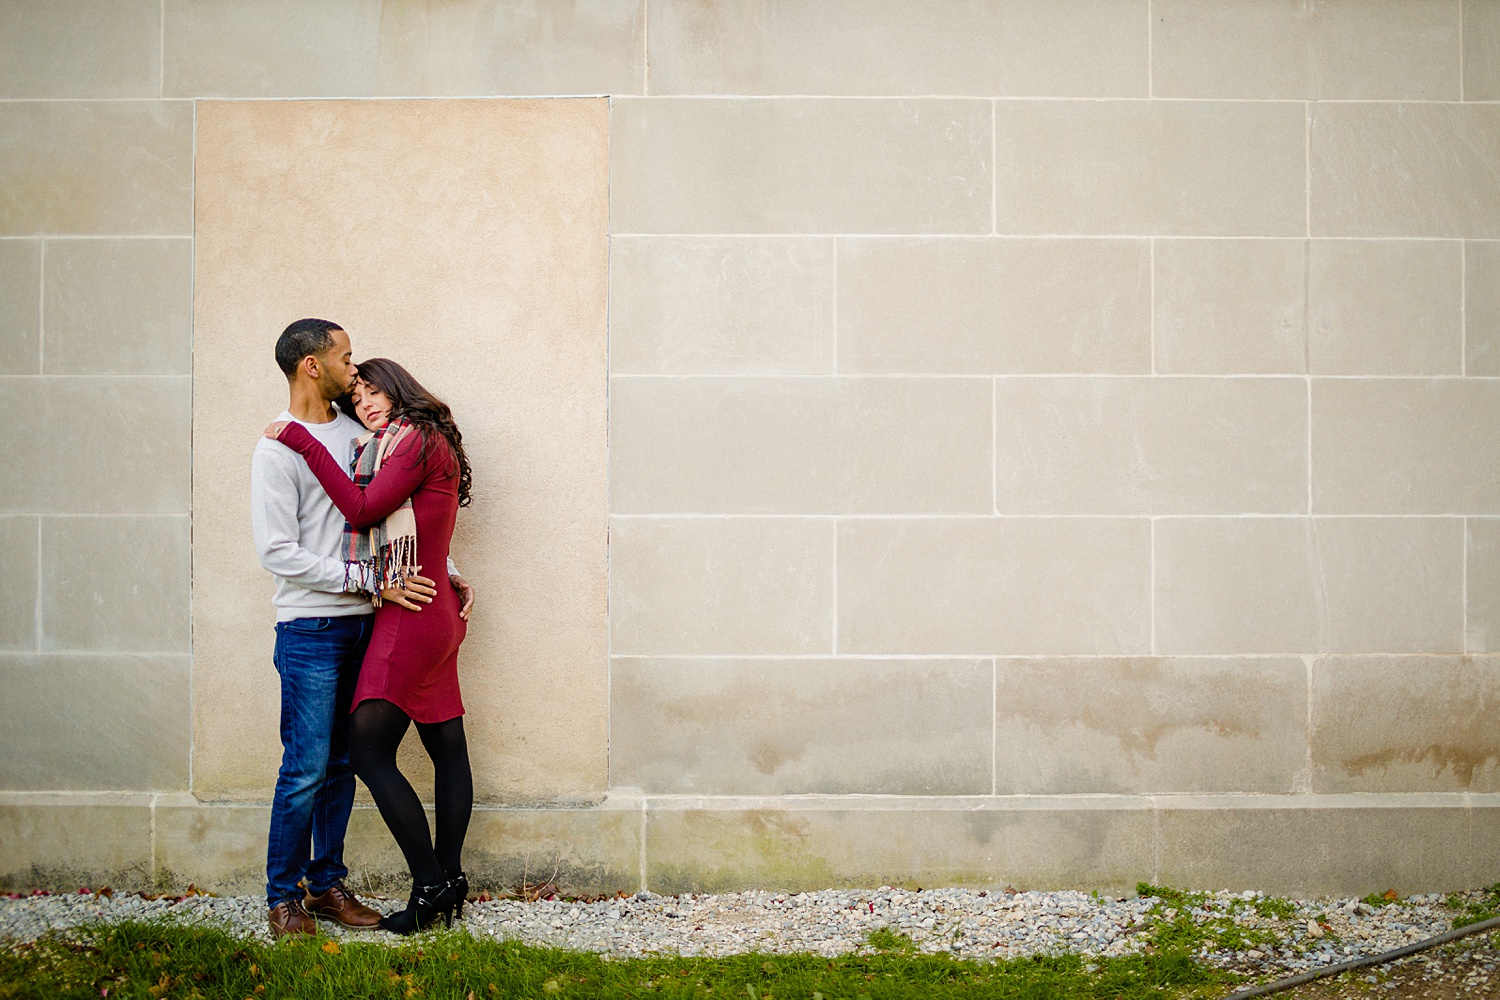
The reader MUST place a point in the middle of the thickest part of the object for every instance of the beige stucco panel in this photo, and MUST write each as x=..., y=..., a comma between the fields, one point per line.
x=466, y=239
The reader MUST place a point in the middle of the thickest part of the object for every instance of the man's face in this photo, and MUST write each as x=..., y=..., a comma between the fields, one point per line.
x=336, y=369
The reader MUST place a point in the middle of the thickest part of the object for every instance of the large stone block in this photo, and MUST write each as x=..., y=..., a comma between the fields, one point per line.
x=20, y=307
x=1150, y=445
x=116, y=584
x=1386, y=307
x=1305, y=585
x=1482, y=585
x=994, y=586
x=721, y=306
x=1147, y=726
x=786, y=727
x=1288, y=49
x=994, y=306
x=1481, y=52
x=1167, y=168
x=80, y=48
x=269, y=48
x=62, y=842
x=120, y=168
x=98, y=445
x=222, y=848
x=1482, y=308
x=585, y=851
x=119, y=307
x=1230, y=306
x=506, y=48
x=1404, y=169
x=467, y=48
x=84, y=721
x=799, y=445
x=1484, y=843
x=1405, y=446
x=1103, y=844
x=1096, y=48
x=721, y=585
x=501, y=312
x=1342, y=845
x=800, y=166
x=1405, y=724
x=21, y=568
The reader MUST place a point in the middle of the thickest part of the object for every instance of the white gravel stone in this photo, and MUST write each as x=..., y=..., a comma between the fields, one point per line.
x=960, y=922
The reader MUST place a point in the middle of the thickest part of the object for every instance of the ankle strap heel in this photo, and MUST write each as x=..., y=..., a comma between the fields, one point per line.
x=460, y=884
x=428, y=905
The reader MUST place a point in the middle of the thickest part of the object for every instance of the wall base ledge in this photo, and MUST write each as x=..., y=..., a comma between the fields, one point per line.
x=1297, y=844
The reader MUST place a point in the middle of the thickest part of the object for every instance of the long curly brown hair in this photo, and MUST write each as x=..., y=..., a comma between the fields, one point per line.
x=430, y=415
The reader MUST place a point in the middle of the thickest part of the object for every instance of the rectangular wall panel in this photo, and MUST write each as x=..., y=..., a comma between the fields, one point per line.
x=465, y=240
x=1163, y=168
x=800, y=166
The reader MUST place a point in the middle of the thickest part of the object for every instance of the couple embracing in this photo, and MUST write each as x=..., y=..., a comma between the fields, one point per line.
x=348, y=515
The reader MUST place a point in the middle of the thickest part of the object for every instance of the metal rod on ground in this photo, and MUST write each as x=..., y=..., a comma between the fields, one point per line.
x=1359, y=963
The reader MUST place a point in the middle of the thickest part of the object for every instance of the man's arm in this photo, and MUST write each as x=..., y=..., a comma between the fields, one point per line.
x=273, y=519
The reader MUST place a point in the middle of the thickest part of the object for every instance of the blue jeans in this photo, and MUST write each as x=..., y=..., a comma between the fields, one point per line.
x=318, y=660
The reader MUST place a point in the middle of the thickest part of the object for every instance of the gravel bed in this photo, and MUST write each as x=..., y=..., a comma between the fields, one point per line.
x=963, y=923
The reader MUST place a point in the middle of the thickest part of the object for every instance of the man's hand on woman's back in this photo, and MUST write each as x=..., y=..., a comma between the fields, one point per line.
x=465, y=594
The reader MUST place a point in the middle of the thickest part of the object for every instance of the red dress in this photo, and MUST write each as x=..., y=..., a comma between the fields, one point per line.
x=412, y=660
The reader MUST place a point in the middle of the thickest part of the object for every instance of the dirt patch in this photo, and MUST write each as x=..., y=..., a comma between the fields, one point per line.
x=1461, y=970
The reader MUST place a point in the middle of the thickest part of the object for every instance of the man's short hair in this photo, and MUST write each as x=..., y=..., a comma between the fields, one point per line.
x=304, y=337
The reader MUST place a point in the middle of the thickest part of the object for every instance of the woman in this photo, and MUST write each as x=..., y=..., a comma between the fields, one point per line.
x=411, y=476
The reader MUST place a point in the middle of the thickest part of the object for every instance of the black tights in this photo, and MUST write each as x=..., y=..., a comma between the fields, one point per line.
x=375, y=731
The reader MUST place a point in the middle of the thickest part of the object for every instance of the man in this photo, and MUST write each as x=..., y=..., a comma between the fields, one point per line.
x=323, y=624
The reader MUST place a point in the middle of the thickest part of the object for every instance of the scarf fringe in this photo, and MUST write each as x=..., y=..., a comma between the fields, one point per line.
x=390, y=567
x=375, y=558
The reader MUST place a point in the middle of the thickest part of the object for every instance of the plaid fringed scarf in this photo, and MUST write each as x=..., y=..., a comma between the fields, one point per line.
x=387, y=551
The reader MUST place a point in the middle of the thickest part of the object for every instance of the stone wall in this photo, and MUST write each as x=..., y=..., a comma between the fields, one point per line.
x=1049, y=442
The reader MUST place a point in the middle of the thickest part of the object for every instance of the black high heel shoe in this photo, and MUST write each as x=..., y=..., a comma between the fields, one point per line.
x=460, y=883
x=428, y=905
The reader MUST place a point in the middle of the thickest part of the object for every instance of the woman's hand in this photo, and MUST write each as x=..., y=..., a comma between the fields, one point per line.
x=274, y=431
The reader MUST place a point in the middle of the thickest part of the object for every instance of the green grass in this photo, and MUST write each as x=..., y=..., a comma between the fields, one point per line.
x=1171, y=926
x=1473, y=911
x=150, y=961
x=885, y=939
x=1379, y=899
x=1273, y=908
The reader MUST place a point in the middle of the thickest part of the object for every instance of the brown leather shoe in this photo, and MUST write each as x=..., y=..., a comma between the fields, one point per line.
x=338, y=903
x=290, y=917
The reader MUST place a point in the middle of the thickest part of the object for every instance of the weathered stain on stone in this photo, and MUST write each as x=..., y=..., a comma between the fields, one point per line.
x=1140, y=702
x=1463, y=762
x=769, y=756
x=982, y=824
x=68, y=878
x=728, y=851
x=801, y=726
x=1407, y=723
